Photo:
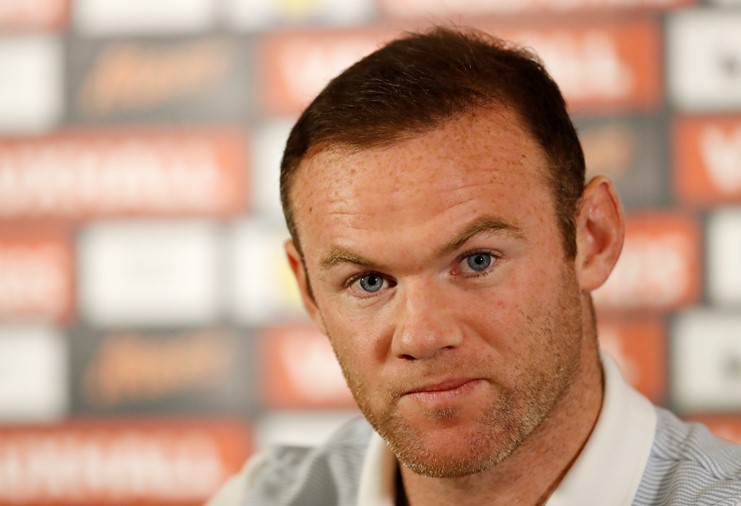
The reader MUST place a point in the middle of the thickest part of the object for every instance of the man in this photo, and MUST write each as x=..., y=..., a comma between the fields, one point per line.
x=445, y=242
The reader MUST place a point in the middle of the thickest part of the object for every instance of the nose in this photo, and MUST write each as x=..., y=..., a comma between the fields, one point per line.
x=426, y=322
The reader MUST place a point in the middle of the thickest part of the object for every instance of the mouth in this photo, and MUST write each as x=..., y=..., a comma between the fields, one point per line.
x=446, y=390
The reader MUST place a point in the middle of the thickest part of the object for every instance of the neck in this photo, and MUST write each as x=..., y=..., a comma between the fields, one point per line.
x=534, y=470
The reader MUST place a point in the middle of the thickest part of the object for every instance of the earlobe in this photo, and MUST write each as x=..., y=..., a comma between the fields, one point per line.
x=600, y=230
x=299, y=271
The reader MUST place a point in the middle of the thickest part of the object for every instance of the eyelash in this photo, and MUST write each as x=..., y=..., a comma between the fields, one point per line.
x=473, y=253
x=357, y=277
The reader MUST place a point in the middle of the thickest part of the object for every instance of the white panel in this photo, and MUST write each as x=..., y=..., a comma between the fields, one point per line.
x=262, y=14
x=704, y=56
x=262, y=285
x=724, y=257
x=301, y=428
x=33, y=374
x=269, y=143
x=108, y=17
x=149, y=273
x=30, y=84
x=706, y=362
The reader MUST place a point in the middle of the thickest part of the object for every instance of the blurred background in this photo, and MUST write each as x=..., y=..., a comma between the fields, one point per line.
x=151, y=336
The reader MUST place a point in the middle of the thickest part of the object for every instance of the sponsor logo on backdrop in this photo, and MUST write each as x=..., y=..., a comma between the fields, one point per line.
x=103, y=463
x=131, y=76
x=426, y=8
x=707, y=159
x=36, y=279
x=703, y=52
x=706, y=355
x=36, y=14
x=609, y=149
x=638, y=347
x=299, y=370
x=296, y=66
x=599, y=67
x=660, y=265
x=130, y=368
x=631, y=150
x=123, y=173
x=723, y=254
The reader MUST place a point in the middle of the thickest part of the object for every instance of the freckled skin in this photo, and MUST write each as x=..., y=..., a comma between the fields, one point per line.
x=523, y=329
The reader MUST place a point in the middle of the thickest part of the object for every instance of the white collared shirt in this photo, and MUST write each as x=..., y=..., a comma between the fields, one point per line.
x=619, y=447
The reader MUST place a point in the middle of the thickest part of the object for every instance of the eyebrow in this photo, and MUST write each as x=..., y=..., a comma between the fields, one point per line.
x=480, y=226
x=337, y=256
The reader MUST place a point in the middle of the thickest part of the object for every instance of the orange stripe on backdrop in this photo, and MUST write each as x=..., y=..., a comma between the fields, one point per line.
x=149, y=171
x=127, y=461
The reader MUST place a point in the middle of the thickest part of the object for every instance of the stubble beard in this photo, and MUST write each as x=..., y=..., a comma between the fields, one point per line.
x=512, y=414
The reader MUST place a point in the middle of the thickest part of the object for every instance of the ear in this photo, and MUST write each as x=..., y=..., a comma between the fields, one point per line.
x=600, y=229
x=299, y=270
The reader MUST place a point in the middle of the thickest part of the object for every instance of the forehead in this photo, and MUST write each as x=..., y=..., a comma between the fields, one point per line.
x=466, y=163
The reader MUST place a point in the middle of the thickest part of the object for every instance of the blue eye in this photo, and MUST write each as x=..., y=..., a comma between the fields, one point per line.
x=371, y=283
x=479, y=262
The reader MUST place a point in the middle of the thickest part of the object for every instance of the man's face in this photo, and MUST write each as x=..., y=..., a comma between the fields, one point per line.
x=438, y=273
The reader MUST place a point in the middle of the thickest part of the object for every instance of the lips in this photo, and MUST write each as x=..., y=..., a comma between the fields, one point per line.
x=444, y=391
x=442, y=386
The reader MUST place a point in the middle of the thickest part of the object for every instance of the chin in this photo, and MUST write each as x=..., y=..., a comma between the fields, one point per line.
x=450, y=451
x=447, y=464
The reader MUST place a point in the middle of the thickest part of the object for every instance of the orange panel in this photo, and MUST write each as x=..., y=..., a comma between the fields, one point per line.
x=660, y=265
x=707, y=159
x=638, y=347
x=36, y=278
x=299, y=370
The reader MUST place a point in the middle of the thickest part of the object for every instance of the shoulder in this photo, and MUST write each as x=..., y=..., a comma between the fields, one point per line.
x=690, y=466
x=285, y=475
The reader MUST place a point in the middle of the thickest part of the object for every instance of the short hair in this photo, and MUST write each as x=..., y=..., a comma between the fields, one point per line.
x=415, y=83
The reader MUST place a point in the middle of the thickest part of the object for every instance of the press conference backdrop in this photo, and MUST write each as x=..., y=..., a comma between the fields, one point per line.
x=151, y=337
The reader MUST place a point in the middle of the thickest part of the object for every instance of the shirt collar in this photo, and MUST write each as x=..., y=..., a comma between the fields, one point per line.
x=626, y=416
x=619, y=447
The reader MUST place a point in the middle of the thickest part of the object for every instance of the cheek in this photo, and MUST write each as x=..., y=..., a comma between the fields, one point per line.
x=356, y=347
x=357, y=331
x=514, y=317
